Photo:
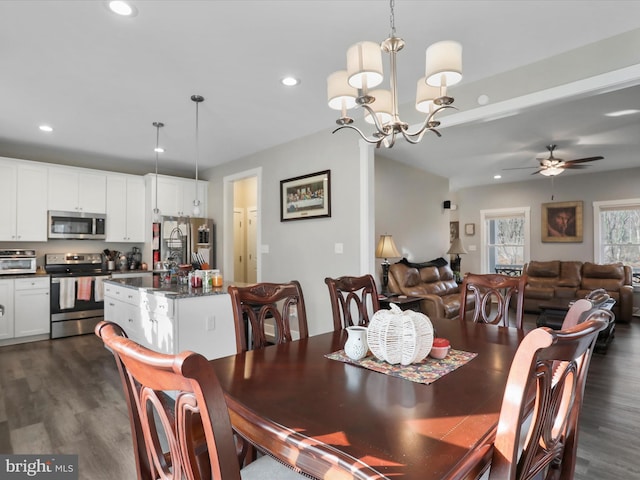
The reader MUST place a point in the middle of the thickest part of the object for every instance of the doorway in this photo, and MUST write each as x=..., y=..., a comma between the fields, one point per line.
x=241, y=261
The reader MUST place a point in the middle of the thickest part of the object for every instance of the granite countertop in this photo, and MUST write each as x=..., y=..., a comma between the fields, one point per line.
x=24, y=275
x=170, y=290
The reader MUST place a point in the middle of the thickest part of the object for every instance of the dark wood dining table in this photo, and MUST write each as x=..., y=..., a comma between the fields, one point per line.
x=336, y=420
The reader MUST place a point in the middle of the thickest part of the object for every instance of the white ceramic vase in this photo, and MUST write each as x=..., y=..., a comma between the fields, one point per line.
x=356, y=347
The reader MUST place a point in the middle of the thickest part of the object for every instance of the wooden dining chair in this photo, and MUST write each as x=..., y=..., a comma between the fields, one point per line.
x=491, y=290
x=541, y=442
x=353, y=300
x=179, y=418
x=258, y=307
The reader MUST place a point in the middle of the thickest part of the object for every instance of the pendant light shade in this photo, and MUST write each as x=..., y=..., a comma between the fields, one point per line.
x=157, y=215
x=197, y=99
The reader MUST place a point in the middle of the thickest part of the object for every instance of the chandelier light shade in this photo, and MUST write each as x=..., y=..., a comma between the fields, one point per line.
x=197, y=99
x=157, y=216
x=364, y=72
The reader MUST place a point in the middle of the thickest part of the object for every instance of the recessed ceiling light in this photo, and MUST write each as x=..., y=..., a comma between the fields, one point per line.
x=159, y=149
x=290, y=81
x=46, y=128
x=621, y=113
x=122, y=8
x=497, y=177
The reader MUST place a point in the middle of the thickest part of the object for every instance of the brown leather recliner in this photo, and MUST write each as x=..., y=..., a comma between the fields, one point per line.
x=435, y=285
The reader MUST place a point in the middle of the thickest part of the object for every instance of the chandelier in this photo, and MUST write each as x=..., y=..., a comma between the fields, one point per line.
x=349, y=88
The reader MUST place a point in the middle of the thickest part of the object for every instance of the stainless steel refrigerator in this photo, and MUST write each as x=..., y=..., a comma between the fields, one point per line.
x=188, y=241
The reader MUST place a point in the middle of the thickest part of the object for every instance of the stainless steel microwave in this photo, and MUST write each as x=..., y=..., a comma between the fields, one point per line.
x=77, y=225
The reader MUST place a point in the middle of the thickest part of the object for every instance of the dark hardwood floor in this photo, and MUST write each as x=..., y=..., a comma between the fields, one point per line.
x=65, y=396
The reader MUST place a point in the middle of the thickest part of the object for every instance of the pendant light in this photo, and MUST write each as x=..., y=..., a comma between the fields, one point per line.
x=156, y=211
x=197, y=99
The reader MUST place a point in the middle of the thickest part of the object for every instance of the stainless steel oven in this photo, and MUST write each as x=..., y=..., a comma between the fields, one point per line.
x=77, y=302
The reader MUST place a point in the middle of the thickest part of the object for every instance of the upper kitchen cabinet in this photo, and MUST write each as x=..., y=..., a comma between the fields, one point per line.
x=125, y=208
x=76, y=190
x=176, y=195
x=23, y=216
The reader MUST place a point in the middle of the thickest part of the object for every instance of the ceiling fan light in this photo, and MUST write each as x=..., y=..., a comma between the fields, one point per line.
x=551, y=171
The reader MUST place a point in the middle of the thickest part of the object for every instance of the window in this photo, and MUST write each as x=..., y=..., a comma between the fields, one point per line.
x=505, y=235
x=617, y=233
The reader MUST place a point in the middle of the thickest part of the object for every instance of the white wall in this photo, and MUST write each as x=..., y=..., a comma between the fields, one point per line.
x=408, y=205
x=613, y=185
x=303, y=250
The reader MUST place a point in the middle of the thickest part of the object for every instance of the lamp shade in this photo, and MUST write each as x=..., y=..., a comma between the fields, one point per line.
x=444, y=63
x=364, y=65
x=381, y=105
x=425, y=95
x=386, y=248
x=456, y=247
x=339, y=92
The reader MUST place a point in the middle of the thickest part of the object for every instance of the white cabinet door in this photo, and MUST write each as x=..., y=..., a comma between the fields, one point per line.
x=8, y=175
x=135, y=211
x=169, y=196
x=31, y=307
x=116, y=208
x=92, y=192
x=6, y=309
x=71, y=190
x=31, y=211
x=63, y=190
x=125, y=209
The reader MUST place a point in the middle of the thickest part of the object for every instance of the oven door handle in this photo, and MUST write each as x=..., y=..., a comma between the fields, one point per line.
x=93, y=277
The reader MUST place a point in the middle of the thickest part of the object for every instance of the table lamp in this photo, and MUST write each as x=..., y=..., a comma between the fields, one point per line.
x=456, y=249
x=386, y=249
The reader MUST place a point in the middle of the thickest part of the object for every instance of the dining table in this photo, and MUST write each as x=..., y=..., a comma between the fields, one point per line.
x=333, y=419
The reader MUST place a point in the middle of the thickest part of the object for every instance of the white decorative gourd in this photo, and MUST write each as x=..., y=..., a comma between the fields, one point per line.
x=397, y=336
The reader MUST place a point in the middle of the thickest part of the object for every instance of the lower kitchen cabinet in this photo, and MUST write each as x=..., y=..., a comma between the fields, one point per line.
x=166, y=324
x=24, y=309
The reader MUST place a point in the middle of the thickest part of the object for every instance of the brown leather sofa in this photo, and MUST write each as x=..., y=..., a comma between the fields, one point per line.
x=570, y=279
x=434, y=282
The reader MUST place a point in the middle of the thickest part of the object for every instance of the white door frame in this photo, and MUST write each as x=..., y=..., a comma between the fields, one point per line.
x=227, y=219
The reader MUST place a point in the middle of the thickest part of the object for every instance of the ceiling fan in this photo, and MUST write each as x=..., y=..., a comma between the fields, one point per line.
x=552, y=166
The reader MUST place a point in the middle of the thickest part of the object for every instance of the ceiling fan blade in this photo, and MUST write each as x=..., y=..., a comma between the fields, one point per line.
x=519, y=168
x=583, y=160
x=573, y=167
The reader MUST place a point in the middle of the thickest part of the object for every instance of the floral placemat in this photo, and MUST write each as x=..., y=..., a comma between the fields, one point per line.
x=427, y=371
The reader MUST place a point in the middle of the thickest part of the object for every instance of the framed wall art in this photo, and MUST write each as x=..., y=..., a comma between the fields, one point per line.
x=562, y=222
x=470, y=229
x=454, y=231
x=307, y=196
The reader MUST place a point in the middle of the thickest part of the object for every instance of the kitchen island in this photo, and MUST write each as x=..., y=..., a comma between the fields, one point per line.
x=172, y=318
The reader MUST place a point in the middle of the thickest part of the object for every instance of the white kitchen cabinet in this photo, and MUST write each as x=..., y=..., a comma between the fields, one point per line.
x=176, y=195
x=76, y=190
x=6, y=309
x=24, y=309
x=125, y=208
x=32, y=306
x=171, y=325
x=23, y=216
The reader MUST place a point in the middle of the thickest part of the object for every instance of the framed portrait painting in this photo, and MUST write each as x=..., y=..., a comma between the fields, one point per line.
x=307, y=196
x=562, y=222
